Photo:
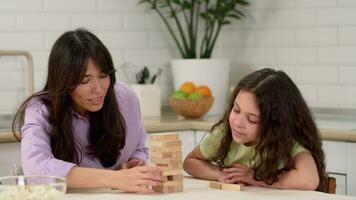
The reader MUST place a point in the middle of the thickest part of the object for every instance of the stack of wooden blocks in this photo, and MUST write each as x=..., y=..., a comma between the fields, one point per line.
x=166, y=151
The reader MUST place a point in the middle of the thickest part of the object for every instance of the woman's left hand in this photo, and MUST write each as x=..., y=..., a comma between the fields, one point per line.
x=133, y=162
x=239, y=174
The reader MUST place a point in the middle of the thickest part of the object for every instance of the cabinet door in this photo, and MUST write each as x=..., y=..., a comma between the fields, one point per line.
x=335, y=160
x=335, y=156
x=351, y=169
x=10, y=154
x=188, y=142
x=340, y=183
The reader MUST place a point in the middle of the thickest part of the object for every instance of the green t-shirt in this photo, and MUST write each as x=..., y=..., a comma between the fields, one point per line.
x=238, y=153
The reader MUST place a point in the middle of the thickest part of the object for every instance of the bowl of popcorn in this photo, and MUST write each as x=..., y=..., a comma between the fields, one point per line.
x=32, y=187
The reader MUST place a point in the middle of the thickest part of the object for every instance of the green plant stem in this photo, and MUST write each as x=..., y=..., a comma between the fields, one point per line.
x=196, y=21
x=181, y=32
x=203, y=43
x=171, y=31
x=209, y=50
x=192, y=30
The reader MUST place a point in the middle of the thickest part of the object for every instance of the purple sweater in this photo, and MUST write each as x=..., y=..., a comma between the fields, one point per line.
x=36, y=153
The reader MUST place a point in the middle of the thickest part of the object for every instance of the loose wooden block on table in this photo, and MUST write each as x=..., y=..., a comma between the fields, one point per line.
x=225, y=186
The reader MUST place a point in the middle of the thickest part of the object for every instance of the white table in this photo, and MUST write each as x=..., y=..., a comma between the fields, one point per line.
x=198, y=189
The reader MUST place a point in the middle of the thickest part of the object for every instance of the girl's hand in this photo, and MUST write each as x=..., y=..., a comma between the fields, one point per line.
x=239, y=174
x=133, y=162
x=138, y=179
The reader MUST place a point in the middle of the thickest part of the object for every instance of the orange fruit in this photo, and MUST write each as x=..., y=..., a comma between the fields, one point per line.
x=187, y=87
x=204, y=90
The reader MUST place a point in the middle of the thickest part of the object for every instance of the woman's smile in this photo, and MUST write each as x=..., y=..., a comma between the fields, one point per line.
x=97, y=100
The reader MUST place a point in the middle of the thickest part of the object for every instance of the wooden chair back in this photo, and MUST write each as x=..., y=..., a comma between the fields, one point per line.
x=330, y=185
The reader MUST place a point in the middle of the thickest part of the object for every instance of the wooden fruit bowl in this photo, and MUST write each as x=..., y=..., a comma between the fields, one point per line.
x=190, y=108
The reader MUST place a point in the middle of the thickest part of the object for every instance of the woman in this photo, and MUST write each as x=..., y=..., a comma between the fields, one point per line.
x=266, y=138
x=83, y=125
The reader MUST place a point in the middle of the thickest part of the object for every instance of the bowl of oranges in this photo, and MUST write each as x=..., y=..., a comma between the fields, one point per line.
x=191, y=101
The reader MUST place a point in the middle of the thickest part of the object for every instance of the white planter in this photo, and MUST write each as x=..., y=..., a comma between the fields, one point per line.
x=149, y=96
x=211, y=72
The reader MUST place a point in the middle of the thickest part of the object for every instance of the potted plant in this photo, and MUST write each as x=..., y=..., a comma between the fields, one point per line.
x=193, y=22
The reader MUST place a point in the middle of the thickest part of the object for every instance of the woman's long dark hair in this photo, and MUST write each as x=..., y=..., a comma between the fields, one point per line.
x=284, y=119
x=67, y=66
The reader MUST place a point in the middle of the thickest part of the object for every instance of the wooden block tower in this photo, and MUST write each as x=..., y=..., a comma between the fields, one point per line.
x=166, y=151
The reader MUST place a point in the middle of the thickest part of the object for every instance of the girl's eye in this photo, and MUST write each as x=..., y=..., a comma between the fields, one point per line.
x=85, y=81
x=253, y=120
x=104, y=75
x=236, y=110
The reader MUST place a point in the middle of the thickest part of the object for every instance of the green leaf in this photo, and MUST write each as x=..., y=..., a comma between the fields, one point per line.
x=144, y=1
x=239, y=13
x=226, y=23
x=234, y=16
x=187, y=5
x=176, y=2
x=242, y=2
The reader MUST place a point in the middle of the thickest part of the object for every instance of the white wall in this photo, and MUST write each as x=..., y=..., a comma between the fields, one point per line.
x=314, y=41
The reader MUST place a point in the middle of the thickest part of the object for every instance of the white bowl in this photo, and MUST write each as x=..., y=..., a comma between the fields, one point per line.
x=32, y=187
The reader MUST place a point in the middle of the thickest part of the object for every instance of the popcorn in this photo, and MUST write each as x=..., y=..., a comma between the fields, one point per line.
x=35, y=192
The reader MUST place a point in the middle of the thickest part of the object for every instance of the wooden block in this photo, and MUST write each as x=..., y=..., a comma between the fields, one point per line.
x=173, y=165
x=163, y=136
x=168, y=189
x=172, y=172
x=214, y=184
x=172, y=183
x=165, y=149
x=178, y=177
x=225, y=186
x=171, y=155
x=231, y=187
x=165, y=161
x=166, y=143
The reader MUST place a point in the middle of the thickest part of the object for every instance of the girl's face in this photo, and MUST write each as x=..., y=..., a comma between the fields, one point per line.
x=89, y=95
x=244, y=119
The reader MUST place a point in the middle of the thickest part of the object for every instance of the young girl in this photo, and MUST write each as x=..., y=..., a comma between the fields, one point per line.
x=266, y=138
x=83, y=125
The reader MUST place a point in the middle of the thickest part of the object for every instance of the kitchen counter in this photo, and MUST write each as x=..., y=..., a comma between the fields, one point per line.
x=330, y=129
x=198, y=189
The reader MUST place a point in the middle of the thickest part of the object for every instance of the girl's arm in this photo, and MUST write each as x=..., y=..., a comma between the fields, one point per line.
x=136, y=179
x=304, y=176
x=198, y=166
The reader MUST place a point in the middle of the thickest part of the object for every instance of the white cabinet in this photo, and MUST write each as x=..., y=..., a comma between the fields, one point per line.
x=335, y=161
x=340, y=183
x=10, y=154
x=188, y=142
x=351, y=169
x=341, y=163
x=335, y=156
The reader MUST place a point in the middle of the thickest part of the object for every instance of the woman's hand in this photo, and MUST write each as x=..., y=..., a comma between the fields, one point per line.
x=239, y=174
x=133, y=162
x=138, y=179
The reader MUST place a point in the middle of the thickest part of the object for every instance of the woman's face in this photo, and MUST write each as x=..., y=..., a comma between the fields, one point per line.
x=244, y=119
x=89, y=95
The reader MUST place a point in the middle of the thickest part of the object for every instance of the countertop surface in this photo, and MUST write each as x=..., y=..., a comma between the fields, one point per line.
x=198, y=189
x=339, y=127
